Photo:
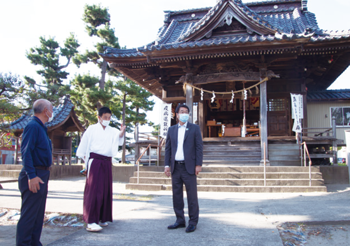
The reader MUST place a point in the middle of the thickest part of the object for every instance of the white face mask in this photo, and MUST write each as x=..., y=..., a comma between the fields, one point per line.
x=50, y=118
x=105, y=122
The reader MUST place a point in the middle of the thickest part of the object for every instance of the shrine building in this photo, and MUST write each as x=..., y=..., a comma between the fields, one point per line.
x=236, y=65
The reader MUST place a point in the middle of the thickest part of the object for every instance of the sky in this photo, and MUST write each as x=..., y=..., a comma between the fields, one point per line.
x=136, y=23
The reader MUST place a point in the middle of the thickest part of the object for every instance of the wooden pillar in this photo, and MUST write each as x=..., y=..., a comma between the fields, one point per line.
x=304, y=93
x=263, y=119
x=189, y=96
x=201, y=121
x=335, y=146
x=164, y=94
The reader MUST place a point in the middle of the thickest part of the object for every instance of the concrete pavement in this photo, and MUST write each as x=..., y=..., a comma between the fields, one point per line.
x=225, y=218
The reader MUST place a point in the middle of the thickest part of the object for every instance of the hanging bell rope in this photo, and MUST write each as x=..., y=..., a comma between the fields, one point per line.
x=226, y=93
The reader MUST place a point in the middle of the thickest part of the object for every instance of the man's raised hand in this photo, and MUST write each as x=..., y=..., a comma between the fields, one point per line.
x=122, y=130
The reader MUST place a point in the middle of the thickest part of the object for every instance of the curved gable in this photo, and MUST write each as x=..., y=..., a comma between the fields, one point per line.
x=228, y=17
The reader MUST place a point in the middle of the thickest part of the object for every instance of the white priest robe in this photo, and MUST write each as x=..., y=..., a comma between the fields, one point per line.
x=100, y=141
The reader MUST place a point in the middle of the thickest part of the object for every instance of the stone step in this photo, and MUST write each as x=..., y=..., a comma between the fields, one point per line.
x=285, y=163
x=284, y=158
x=237, y=175
x=283, y=147
x=232, y=168
x=232, y=162
x=241, y=182
x=245, y=189
x=284, y=152
x=10, y=173
x=231, y=148
x=231, y=153
x=232, y=157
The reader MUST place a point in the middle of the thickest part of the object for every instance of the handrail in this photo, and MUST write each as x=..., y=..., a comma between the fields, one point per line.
x=306, y=151
x=161, y=143
x=317, y=131
x=138, y=164
x=264, y=164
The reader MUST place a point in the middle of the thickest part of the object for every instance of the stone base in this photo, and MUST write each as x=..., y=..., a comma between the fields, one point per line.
x=262, y=163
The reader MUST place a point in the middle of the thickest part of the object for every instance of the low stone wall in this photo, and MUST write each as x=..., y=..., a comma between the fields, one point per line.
x=10, y=167
x=59, y=171
x=123, y=173
x=335, y=175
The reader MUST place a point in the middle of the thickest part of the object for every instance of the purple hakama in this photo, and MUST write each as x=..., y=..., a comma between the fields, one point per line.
x=98, y=195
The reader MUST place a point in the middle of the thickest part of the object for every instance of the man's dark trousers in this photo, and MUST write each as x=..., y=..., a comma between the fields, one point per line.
x=32, y=211
x=179, y=177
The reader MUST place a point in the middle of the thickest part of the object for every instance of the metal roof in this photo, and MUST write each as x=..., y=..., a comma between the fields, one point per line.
x=326, y=95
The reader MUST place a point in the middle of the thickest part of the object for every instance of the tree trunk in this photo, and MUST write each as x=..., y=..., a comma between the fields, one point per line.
x=137, y=149
x=124, y=104
x=103, y=75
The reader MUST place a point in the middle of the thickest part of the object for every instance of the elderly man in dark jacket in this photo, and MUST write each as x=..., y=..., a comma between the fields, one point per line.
x=33, y=179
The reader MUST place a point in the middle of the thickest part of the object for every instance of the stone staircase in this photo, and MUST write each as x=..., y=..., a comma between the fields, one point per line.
x=231, y=153
x=284, y=154
x=237, y=179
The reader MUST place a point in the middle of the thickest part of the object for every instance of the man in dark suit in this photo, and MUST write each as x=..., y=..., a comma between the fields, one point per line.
x=183, y=159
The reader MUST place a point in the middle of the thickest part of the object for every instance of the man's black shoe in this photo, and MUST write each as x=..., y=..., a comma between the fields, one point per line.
x=176, y=225
x=190, y=228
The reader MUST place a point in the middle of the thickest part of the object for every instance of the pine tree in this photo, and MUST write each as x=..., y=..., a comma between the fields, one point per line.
x=11, y=90
x=97, y=21
x=48, y=55
x=134, y=99
x=90, y=92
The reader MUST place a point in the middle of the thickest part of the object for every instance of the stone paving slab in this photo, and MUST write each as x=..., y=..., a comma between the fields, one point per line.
x=225, y=218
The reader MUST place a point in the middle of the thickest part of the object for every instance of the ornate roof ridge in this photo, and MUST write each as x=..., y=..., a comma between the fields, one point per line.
x=250, y=14
x=274, y=11
x=185, y=11
x=271, y=2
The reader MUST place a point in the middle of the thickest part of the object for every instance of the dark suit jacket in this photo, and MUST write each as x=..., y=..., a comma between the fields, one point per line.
x=193, y=147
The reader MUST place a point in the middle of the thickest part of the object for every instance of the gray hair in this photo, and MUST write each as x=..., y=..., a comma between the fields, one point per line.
x=39, y=105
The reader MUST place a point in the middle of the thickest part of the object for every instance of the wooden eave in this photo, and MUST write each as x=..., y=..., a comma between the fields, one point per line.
x=302, y=45
x=282, y=50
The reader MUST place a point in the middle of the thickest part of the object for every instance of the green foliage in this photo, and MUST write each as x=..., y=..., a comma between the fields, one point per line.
x=48, y=55
x=6, y=139
x=11, y=89
x=87, y=97
x=97, y=21
x=89, y=93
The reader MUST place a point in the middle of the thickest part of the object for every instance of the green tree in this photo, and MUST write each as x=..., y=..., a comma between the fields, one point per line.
x=134, y=99
x=86, y=95
x=11, y=90
x=90, y=92
x=97, y=21
x=48, y=55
